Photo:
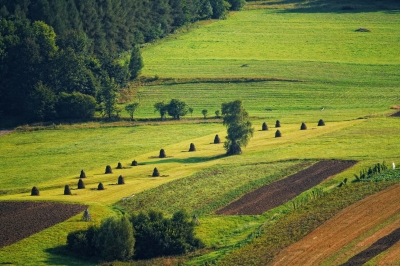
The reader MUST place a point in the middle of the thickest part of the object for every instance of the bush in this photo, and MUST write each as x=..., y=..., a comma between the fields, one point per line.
x=100, y=186
x=81, y=185
x=264, y=126
x=277, y=123
x=192, y=147
x=119, y=166
x=121, y=180
x=35, y=191
x=82, y=241
x=82, y=175
x=321, y=123
x=303, y=126
x=108, y=170
x=134, y=163
x=162, y=154
x=157, y=236
x=278, y=134
x=115, y=239
x=217, y=140
x=155, y=172
x=75, y=106
x=67, y=190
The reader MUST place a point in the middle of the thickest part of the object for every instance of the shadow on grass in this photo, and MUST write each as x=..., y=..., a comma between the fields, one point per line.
x=186, y=160
x=339, y=6
x=60, y=255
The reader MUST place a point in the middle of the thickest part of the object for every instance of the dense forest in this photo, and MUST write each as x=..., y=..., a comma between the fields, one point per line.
x=58, y=58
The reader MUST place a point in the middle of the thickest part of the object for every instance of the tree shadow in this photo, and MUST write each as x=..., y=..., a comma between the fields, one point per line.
x=339, y=6
x=376, y=248
x=60, y=255
x=186, y=160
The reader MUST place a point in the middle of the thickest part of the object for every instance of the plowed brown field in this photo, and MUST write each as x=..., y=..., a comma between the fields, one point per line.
x=19, y=220
x=360, y=230
x=281, y=191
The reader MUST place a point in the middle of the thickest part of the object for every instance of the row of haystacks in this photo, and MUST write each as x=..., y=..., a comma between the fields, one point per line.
x=162, y=154
x=303, y=126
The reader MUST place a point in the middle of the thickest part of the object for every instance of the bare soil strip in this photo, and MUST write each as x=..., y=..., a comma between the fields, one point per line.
x=19, y=220
x=349, y=225
x=279, y=192
x=375, y=249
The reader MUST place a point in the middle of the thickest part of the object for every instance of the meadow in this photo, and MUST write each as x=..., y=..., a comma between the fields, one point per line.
x=284, y=65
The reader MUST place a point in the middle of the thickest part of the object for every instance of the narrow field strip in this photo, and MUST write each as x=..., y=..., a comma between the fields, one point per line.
x=348, y=225
x=279, y=192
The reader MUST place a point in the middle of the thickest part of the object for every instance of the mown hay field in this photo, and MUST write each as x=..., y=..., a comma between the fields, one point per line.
x=318, y=67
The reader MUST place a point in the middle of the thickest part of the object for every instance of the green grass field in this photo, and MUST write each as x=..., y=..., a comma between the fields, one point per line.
x=314, y=60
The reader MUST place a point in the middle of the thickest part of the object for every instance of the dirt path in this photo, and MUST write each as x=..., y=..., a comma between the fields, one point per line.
x=4, y=131
x=19, y=220
x=351, y=229
x=279, y=192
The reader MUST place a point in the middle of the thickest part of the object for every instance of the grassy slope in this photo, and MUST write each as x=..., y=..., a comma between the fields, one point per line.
x=338, y=69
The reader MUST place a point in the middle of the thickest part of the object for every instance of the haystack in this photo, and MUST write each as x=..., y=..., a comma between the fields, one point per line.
x=192, y=147
x=217, y=140
x=278, y=134
x=67, y=190
x=321, y=123
x=82, y=175
x=264, y=126
x=108, y=170
x=303, y=126
x=162, y=154
x=134, y=163
x=81, y=185
x=155, y=172
x=35, y=191
x=121, y=180
x=119, y=166
x=100, y=186
x=277, y=123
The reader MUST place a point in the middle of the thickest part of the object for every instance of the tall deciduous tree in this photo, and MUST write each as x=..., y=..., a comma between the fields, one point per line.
x=131, y=108
x=239, y=127
x=177, y=108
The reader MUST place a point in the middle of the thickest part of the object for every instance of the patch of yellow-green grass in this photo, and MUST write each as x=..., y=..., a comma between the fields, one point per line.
x=46, y=247
x=46, y=157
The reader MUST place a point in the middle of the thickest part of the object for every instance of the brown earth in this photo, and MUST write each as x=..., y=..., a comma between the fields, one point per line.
x=19, y=220
x=362, y=230
x=281, y=191
x=5, y=131
x=397, y=114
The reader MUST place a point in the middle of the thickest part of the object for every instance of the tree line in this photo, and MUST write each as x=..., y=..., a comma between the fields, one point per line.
x=60, y=59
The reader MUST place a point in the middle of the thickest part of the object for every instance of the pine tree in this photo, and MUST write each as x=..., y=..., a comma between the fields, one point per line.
x=136, y=62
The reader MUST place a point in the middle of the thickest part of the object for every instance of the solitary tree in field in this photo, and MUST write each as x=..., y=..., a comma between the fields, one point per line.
x=131, y=108
x=176, y=108
x=161, y=108
x=239, y=129
x=204, y=112
x=191, y=111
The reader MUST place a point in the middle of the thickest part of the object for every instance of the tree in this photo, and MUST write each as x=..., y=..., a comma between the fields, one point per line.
x=161, y=107
x=239, y=128
x=177, y=108
x=108, y=96
x=131, y=108
x=217, y=113
x=41, y=103
x=75, y=105
x=204, y=112
x=136, y=62
x=115, y=239
x=190, y=109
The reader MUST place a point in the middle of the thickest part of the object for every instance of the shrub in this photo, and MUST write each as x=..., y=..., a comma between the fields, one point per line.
x=81, y=185
x=134, y=163
x=115, y=239
x=155, y=172
x=264, y=126
x=82, y=175
x=217, y=140
x=162, y=154
x=100, y=186
x=321, y=123
x=82, y=241
x=35, y=191
x=303, y=126
x=86, y=216
x=192, y=147
x=119, y=166
x=108, y=170
x=277, y=123
x=121, y=180
x=157, y=236
x=278, y=134
x=67, y=190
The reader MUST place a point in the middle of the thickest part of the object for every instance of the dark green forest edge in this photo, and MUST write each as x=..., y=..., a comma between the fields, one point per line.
x=62, y=59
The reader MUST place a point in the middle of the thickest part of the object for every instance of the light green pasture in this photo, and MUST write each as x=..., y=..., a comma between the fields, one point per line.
x=279, y=40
